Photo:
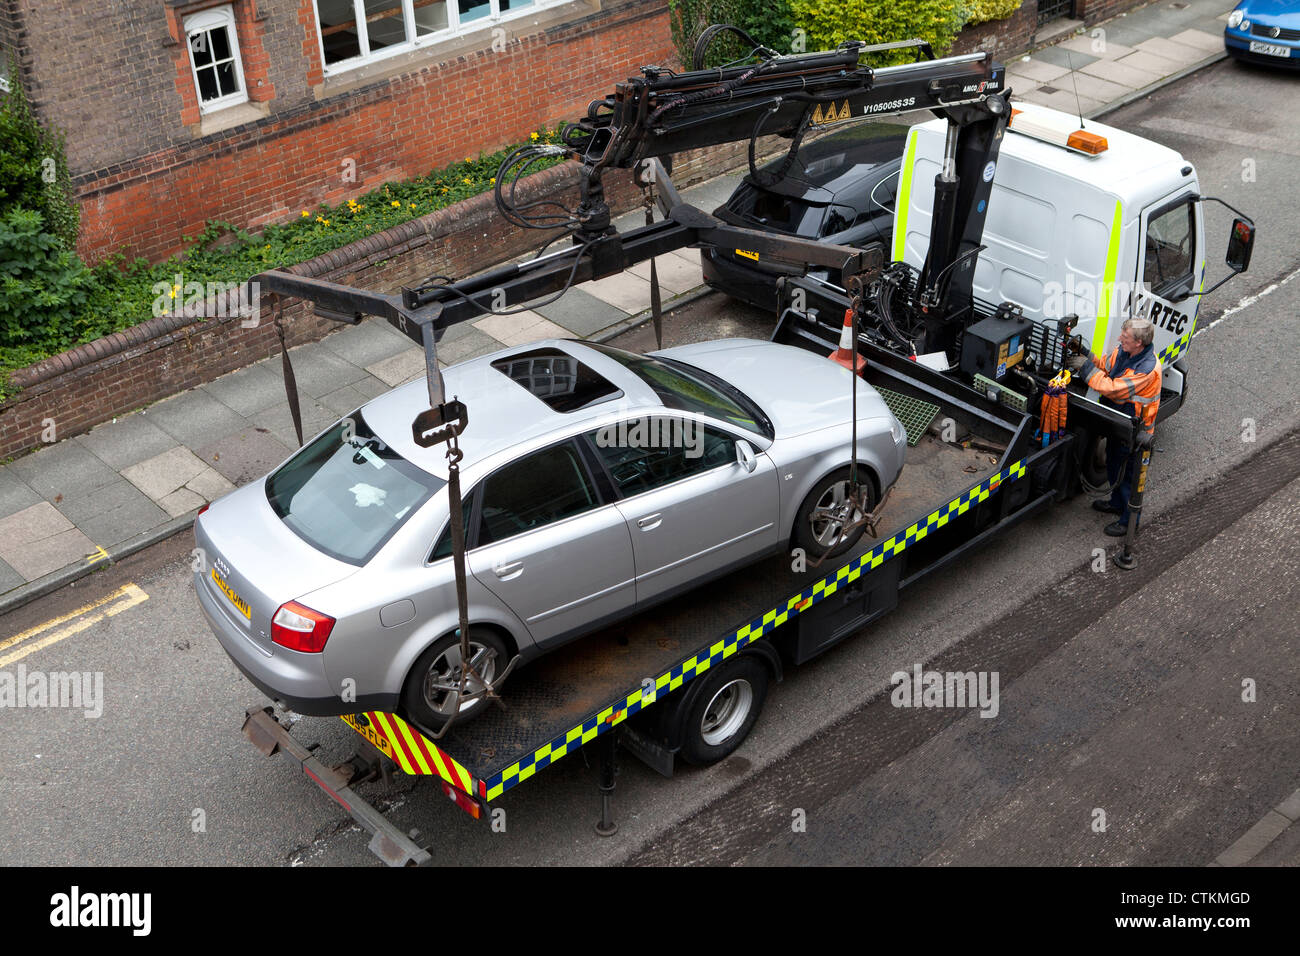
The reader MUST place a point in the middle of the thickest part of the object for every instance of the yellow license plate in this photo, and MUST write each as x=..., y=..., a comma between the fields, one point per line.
x=747, y=254
x=234, y=598
x=379, y=740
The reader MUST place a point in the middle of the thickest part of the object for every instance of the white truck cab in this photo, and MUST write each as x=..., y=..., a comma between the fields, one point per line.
x=1102, y=235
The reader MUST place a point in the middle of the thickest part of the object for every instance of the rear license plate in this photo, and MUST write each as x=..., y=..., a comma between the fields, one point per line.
x=747, y=254
x=240, y=604
x=380, y=742
x=1269, y=49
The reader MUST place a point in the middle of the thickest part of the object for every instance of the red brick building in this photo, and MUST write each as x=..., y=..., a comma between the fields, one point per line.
x=251, y=110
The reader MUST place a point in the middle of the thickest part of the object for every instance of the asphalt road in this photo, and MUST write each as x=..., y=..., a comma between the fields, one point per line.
x=134, y=784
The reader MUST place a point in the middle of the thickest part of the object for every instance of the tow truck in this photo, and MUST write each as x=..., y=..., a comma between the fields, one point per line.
x=688, y=679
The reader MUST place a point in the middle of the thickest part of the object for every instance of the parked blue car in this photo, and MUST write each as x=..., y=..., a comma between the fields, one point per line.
x=1265, y=31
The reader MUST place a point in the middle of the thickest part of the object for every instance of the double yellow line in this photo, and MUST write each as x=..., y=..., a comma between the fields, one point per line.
x=74, y=622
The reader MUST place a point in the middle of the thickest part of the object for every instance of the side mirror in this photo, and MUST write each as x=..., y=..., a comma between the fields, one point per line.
x=746, y=457
x=1240, y=243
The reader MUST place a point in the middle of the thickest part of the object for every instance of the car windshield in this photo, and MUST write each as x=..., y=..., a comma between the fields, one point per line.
x=347, y=492
x=686, y=388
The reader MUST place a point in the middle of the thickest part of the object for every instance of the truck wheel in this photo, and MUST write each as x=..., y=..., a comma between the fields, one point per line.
x=1092, y=464
x=426, y=696
x=724, y=710
x=817, y=527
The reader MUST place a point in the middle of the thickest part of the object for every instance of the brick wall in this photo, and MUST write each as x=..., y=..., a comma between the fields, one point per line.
x=123, y=371
x=119, y=83
x=1001, y=38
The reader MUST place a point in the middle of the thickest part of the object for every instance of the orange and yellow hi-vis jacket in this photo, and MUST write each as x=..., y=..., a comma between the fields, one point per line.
x=1129, y=382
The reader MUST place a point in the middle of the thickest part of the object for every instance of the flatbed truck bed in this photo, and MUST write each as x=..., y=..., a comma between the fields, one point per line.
x=951, y=498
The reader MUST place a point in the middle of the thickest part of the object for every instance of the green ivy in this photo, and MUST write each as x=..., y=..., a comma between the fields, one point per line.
x=34, y=166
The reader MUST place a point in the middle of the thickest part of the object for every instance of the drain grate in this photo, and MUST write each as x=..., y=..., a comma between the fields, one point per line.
x=913, y=414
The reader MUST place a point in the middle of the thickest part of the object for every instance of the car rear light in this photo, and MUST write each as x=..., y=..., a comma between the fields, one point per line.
x=299, y=628
x=205, y=508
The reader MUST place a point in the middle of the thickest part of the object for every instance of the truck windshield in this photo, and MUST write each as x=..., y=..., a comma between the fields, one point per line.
x=347, y=492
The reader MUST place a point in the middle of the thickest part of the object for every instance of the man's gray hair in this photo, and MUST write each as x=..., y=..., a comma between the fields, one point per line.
x=1142, y=329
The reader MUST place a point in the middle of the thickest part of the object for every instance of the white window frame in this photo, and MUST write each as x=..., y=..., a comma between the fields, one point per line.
x=201, y=23
x=454, y=28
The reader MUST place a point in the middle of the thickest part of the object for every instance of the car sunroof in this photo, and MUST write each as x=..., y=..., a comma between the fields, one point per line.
x=558, y=379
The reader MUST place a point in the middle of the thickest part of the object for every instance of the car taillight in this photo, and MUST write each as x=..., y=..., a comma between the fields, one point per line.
x=299, y=628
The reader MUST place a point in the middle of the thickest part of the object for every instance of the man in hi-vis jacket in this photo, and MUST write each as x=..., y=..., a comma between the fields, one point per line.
x=1128, y=379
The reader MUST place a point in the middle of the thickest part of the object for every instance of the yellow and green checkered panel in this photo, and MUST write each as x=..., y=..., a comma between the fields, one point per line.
x=668, y=682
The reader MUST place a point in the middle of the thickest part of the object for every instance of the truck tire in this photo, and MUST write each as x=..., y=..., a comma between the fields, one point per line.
x=422, y=698
x=815, y=536
x=723, y=710
x=1092, y=464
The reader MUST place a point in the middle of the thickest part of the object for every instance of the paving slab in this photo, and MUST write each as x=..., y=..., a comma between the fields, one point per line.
x=471, y=343
x=520, y=328
x=159, y=476
x=194, y=418
x=126, y=441
x=39, y=539
x=676, y=275
x=15, y=494
x=279, y=422
x=1063, y=100
x=210, y=484
x=345, y=400
x=397, y=368
x=581, y=312
x=246, y=455
x=67, y=468
x=1206, y=42
x=108, y=498
x=1098, y=46
x=9, y=578
x=370, y=387
x=319, y=370
x=1130, y=76
x=113, y=526
x=1037, y=71
x=1151, y=63
x=1180, y=53
x=1095, y=88
x=623, y=291
x=181, y=501
x=367, y=343
x=1066, y=58
x=251, y=389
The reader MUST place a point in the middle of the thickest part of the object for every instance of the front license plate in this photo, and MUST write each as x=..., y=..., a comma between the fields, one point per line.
x=381, y=743
x=747, y=254
x=240, y=604
x=1269, y=49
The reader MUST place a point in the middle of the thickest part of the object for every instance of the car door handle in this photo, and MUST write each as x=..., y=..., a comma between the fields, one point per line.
x=511, y=569
x=649, y=522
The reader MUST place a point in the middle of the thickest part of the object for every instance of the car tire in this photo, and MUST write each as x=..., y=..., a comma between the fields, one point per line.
x=723, y=710
x=814, y=538
x=439, y=665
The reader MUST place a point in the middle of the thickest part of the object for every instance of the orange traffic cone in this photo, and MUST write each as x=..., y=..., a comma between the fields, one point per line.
x=844, y=355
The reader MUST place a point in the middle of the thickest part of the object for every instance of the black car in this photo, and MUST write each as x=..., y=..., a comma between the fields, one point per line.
x=841, y=188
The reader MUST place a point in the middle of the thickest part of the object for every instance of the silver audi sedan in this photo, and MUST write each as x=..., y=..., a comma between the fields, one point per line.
x=597, y=483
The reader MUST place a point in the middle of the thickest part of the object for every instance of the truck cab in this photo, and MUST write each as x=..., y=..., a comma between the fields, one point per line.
x=1109, y=228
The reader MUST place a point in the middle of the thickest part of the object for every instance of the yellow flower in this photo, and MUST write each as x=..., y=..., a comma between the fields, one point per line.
x=412, y=205
x=305, y=214
x=533, y=137
x=492, y=181
x=396, y=203
x=444, y=189
x=327, y=222
x=467, y=181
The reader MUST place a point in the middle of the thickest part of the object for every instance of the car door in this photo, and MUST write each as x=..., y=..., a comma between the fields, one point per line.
x=691, y=507
x=1171, y=267
x=550, y=547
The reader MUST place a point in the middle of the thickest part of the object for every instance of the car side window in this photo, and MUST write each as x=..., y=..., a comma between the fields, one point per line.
x=1170, y=252
x=534, y=491
x=647, y=453
x=838, y=218
x=443, y=548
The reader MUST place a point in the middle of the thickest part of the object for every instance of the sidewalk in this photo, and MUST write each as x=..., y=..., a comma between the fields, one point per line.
x=84, y=502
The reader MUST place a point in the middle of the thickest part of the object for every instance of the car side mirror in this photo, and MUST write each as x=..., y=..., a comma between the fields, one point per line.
x=1241, y=241
x=746, y=457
